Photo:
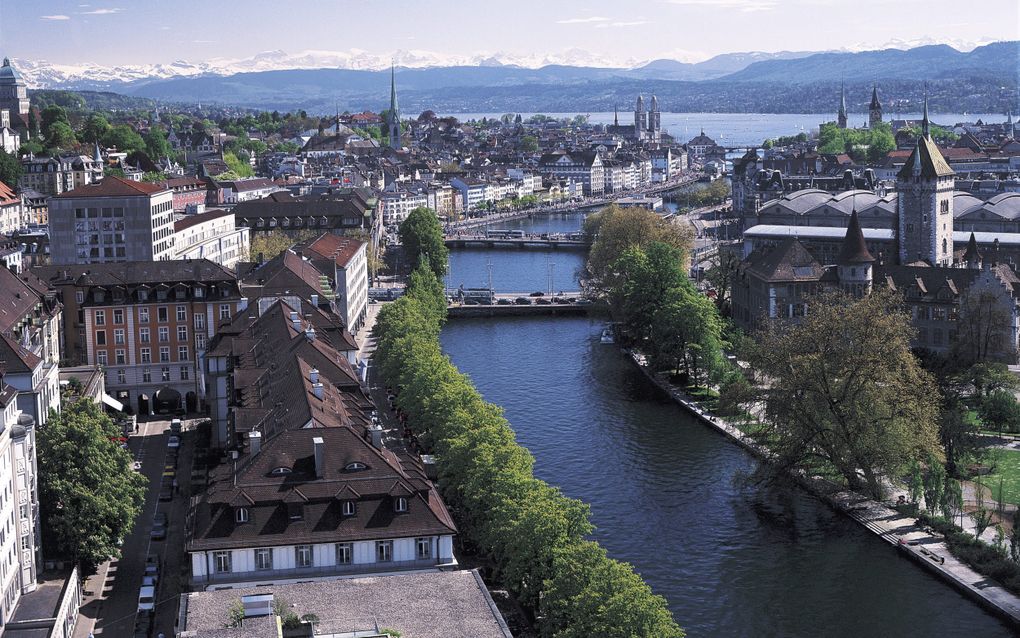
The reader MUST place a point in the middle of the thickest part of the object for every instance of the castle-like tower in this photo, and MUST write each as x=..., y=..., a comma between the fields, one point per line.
x=841, y=116
x=640, y=119
x=14, y=96
x=394, y=123
x=654, y=121
x=925, y=203
x=854, y=264
x=875, y=110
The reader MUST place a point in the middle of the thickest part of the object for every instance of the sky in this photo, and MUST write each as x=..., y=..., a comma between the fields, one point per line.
x=623, y=31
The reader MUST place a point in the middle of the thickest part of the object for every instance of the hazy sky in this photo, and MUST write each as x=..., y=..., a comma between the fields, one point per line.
x=148, y=31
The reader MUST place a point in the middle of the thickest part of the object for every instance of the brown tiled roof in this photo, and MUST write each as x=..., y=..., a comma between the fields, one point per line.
x=114, y=187
x=7, y=195
x=19, y=294
x=930, y=158
x=339, y=250
x=193, y=220
x=15, y=358
x=854, y=250
x=789, y=261
x=134, y=272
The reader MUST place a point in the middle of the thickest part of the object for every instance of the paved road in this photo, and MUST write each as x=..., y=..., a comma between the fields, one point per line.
x=111, y=599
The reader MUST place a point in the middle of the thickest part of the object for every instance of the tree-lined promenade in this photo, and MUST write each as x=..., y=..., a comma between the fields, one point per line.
x=534, y=537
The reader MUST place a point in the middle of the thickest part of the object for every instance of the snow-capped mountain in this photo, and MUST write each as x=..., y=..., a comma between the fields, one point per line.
x=43, y=74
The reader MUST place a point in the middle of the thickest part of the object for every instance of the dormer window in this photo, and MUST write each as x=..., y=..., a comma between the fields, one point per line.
x=241, y=515
x=400, y=504
x=347, y=508
x=295, y=511
x=280, y=471
x=355, y=467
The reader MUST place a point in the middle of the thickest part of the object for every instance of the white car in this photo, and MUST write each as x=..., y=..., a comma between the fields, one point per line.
x=173, y=441
x=146, y=599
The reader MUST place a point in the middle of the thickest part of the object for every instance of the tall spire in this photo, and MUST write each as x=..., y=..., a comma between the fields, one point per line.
x=841, y=118
x=854, y=249
x=925, y=124
x=616, y=116
x=394, y=110
x=875, y=104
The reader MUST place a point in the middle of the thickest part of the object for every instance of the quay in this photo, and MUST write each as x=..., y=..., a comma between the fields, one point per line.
x=920, y=545
x=528, y=241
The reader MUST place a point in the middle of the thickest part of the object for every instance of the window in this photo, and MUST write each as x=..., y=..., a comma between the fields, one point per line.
x=164, y=334
x=241, y=515
x=424, y=546
x=146, y=355
x=199, y=292
x=118, y=316
x=384, y=551
x=182, y=313
x=224, y=311
x=163, y=314
x=79, y=296
x=101, y=357
x=143, y=315
x=121, y=377
x=143, y=335
x=119, y=357
x=182, y=353
x=185, y=373
x=348, y=508
x=199, y=321
x=344, y=553
x=200, y=342
x=100, y=317
x=280, y=471
x=182, y=333
x=264, y=559
x=146, y=376
x=118, y=336
x=165, y=370
x=355, y=466
x=164, y=354
x=400, y=504
x=100, y=337
x=221, y=562
x=303, y=555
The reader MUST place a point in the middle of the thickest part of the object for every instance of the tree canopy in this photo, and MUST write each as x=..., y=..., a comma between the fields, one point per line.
x=845, y=393
x=88, y=492
x=422, y=239
x=10, y=169
x=871, y=144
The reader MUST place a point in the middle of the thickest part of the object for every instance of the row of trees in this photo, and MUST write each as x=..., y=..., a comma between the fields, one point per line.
x=871, y=144
x=533, y=534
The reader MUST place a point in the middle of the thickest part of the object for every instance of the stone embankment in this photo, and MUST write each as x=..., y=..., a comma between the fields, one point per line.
x=921, y=545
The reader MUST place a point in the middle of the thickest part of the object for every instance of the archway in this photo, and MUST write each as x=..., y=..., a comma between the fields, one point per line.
x=143, y=404
x=166, y=401
x=191, y=402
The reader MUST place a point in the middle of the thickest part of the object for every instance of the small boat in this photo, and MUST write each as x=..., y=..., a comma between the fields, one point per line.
x=607, y=335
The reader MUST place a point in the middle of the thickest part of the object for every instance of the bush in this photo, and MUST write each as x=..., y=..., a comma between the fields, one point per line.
x=978, y=555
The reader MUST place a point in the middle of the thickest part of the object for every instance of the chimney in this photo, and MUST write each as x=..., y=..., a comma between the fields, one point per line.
x=242, y=304
x=234, y=454
x=254, y=442
x=313, y=375
x=319, y=448
x=310, y=333
x=315, y=300
x=317, y=389
x=376, y=431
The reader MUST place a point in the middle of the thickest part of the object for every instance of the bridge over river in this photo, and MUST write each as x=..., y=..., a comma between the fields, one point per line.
x=490, y=240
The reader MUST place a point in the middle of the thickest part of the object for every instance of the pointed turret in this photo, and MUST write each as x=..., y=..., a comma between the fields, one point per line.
x=1010, y=128
x=925, y=123
x=875, y=104
x=97, y=155
x=972, y=256
x=854, y=249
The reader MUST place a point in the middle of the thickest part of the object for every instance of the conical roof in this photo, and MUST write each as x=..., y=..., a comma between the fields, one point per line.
x=875, y=104
x=929, y=158
x=972, y=253
x=854, y=250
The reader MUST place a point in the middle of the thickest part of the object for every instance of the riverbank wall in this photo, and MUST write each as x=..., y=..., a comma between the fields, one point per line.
x=922, y=546
x=535, y=310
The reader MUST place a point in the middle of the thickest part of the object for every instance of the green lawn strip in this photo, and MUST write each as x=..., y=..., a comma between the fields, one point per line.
x=1006, y=465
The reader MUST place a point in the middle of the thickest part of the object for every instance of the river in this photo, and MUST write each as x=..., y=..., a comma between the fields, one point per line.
x=731, y=558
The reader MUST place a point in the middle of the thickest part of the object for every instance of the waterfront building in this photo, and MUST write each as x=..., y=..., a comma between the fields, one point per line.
x=345, y=262
x=13, y=215
x=115, y=220
x=147, y=323
x=585, y=167
x=310, y=491
x=337, y=213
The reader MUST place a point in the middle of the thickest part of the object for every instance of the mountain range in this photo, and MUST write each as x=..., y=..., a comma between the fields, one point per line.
x=984, y=79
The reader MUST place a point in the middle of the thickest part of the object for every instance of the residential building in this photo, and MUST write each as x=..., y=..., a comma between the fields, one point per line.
x=10, y=139
x=12, y=211
x=473, y=191
x=309, y=491
x=585, y=167
x=397, y=204
x=211, y=235
x=115, y=220
x=188, y=191
x=47, y=175
x=146, y=323
x=245, y=190
x=346, y=262
x=336, y=213
x=459, y=604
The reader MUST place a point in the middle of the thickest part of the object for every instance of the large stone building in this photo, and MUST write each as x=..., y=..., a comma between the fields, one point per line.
x=14, y=98
x=146, y=323
x=584, y=167
x=310, y=490
x=115, y=220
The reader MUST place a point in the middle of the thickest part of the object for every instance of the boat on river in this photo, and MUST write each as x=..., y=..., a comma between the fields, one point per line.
x=607, y=335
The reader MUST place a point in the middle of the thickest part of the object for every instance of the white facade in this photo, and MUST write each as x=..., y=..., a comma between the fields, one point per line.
x=352, y=287
x=397, y=205
x=216, y=239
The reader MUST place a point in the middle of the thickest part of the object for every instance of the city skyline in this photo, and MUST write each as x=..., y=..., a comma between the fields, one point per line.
x=419, y=34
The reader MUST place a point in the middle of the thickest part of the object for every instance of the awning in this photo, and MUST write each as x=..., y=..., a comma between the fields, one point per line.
x=113, y=403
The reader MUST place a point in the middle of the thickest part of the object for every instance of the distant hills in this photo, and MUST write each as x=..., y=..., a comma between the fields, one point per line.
x=982, y=80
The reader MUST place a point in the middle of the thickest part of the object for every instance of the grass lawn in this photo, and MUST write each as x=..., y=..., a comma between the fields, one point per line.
x=1007, y=467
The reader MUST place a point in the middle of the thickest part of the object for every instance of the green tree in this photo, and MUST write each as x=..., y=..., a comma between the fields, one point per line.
x=987, y=377
x=10, y=169
x=880, y=141
x=95, y=128
x=934, y=482
x=61, y=135
x=238, y=167
x=422, y=239
x=88, y=508
x=123, y=138
x=845, y=389
x=529, y=144
x=270, y=244
x=52, y=115
x=958, y=434
x=687, y=332
x=156, y=144
x=590, y=594
x=642, y=277
x=1000, y=411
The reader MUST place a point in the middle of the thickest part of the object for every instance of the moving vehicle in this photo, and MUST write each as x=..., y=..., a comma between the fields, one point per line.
x=174, y=441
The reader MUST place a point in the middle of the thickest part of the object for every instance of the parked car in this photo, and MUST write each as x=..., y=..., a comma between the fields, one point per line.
x=537, y=293
x=166, y=493
x=157, y=533
x=174, y=441
x=161, y=518
x=146, y=600
x=137, y=466
x=152, y=566
x=522, y=301
x=542, y=301
x=503, y=301
x=175, y=426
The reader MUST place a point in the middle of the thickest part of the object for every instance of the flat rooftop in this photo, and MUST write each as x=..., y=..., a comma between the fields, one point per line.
x=417, y=604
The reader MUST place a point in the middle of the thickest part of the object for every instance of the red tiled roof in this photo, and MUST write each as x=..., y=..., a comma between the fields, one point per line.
x=114, y=187
x=338, y=249
x=7, y=195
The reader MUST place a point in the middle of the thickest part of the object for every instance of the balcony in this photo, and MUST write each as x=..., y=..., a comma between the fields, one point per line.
x=306, y=573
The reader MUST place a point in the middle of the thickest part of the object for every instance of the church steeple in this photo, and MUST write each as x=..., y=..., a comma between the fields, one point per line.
x=394, y=111
x=874, y=109
x=841, y=116
x=925, y=123
x=616, y=116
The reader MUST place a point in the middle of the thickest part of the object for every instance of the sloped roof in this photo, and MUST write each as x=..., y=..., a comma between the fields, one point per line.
x=113, y=186
x=930, y=159
x=854, y=250
x=789, y=261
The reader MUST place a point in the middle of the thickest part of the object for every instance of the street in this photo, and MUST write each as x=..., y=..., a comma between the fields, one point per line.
x=111, y=595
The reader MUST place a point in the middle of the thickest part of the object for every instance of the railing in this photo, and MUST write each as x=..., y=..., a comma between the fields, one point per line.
x=298, y=573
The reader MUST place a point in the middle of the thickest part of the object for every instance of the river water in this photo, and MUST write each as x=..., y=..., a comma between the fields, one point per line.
x=732, y=558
